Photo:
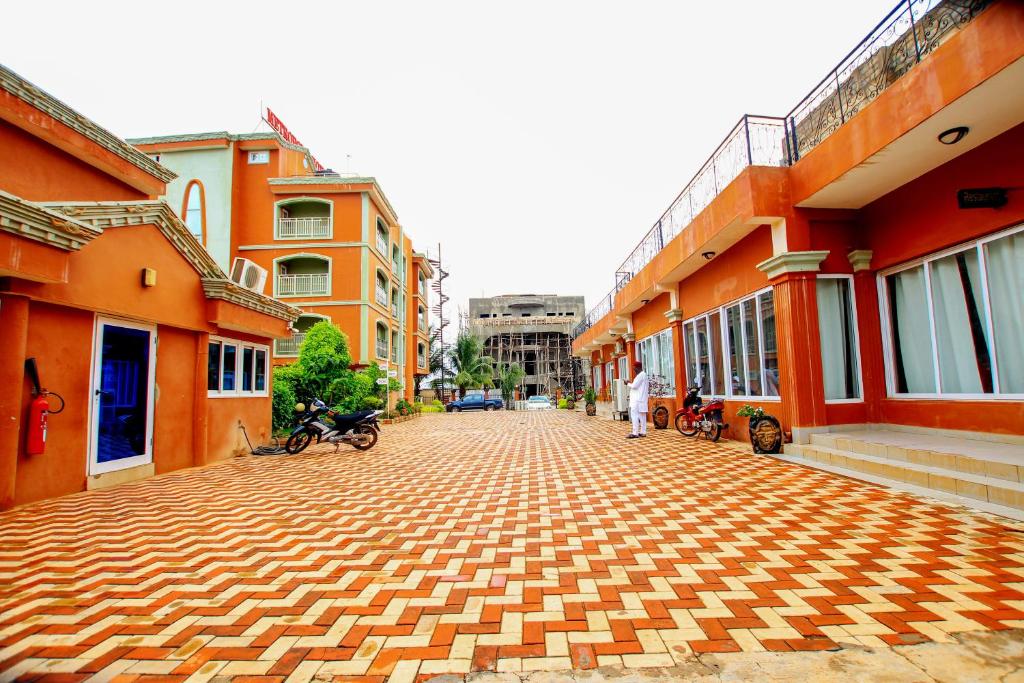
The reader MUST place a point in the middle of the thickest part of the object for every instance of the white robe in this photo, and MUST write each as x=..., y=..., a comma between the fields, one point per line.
x=638, y=392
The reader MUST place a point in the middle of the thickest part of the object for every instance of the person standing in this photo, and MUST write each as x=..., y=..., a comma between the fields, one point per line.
x=638, y=394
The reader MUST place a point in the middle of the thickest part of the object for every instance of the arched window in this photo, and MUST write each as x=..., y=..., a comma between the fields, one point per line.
x=383, y=237
x=396, y=259
x=421, y=355
x=382, y=288
x=193, y=210
x=382, y=340
x=422, y=318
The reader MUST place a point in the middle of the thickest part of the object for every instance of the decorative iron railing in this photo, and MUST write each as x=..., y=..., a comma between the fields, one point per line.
x=381, y=295
x=908, y=33
x=303, y=284
x=302, y=228
x=290, y=346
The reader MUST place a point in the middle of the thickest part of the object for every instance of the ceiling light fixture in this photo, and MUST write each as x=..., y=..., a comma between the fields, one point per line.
x=953, y=135
x=708, y=255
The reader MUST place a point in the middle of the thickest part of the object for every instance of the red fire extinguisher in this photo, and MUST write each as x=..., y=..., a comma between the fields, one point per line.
x=38, y=412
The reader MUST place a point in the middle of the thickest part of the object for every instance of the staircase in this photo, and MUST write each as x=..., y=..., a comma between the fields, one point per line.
x=985, y=474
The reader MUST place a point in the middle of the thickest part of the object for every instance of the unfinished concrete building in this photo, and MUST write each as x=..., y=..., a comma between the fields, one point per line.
x=535, y=331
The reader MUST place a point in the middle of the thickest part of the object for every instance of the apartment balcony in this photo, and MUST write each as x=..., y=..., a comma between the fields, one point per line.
x=303, y=284
x=289, y=348
x=382, y=295
x=319, y=227
x=394, y=310
x=381, y=349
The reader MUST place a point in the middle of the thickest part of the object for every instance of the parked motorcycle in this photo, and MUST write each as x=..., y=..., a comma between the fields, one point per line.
x=359, y=429
x=696, y=418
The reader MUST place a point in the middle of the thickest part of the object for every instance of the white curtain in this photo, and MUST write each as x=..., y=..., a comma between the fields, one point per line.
x=958, y=355
x=667, y=362
x=914, y=347
x=752, y=325
x=831, y=331
x=688, y=346
x=1004, y=260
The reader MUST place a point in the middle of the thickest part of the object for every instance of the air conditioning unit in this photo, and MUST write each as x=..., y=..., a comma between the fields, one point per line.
x=620, y=396
x=247, y=274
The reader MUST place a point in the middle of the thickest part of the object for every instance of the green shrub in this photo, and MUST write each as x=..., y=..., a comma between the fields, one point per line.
x=562, y=403
x=433, y=409
x=437, y=404
x=283, y=411
x=372, y=403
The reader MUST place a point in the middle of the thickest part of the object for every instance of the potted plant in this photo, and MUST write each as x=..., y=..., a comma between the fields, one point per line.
x=590, y=398
x=765, y=430
x=570, y=402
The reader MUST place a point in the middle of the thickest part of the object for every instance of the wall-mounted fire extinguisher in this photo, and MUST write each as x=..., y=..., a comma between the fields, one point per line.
x=38, y=411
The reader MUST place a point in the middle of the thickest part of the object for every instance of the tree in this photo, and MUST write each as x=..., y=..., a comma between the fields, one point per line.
x=472, y=370
x=324, y=357
x=510, y=377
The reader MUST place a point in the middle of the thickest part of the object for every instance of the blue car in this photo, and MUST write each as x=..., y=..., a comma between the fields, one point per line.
x=475, y=402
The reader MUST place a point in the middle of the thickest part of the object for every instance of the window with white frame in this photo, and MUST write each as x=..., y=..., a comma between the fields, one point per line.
x=597, y=378
x=609, y=373
x=382, y=289
x=382, y=341
x=394, y=346
x=954, y=320
x=382, y=237
x=624, y=367
x=655, y=353
x=236, y=368
x=732, y=351
x=421, y=355
x=837, y=329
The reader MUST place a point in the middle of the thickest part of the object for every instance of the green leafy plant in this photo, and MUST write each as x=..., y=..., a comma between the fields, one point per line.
x=472, y=369
x=751, y=412
x=563, y=404
x=509, y=377
x=590, y=396
x=283, y=402
x=403, y=407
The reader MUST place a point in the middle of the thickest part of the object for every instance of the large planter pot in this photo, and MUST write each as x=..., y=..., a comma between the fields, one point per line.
x=591, y=409
x=660, y=414
x=765, y=434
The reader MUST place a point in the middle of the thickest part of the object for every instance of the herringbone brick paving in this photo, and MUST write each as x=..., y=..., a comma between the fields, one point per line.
x=504, y=541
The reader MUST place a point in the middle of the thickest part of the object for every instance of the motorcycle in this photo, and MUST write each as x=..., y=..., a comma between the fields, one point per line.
x=360, y=430
x=696, y=418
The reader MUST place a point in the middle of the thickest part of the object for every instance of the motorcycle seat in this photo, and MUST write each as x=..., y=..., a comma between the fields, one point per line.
x=352, y=418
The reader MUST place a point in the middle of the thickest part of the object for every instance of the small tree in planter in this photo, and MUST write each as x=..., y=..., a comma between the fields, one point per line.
x=570, y=402
x=765, y=430
x=590, y=398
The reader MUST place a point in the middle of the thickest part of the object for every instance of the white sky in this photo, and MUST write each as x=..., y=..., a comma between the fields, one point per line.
x=537, y=141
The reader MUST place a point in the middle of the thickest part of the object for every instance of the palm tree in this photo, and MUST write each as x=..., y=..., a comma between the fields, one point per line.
x=472, y=370
x=509, y=377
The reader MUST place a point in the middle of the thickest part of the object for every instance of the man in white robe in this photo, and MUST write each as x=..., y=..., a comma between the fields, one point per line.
x=638, y=395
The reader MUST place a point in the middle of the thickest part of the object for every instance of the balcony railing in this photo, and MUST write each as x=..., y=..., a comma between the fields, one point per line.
x=382, y=295
x=289, y=347
x=303, y=284
x=302, y=228
x=908, y=33
x=394, y=310
x=382, y=349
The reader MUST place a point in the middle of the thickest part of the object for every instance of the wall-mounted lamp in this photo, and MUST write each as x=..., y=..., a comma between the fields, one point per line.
x=708, y=255
x=148, y=277
x=645, y=301
x=953, y=135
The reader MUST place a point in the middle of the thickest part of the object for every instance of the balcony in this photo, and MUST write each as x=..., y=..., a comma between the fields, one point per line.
x=303, y=284
x=382, y=295
x=394, y=310
x=900, y=41
x=303, y=228
x=382, y=349
x=289, y=347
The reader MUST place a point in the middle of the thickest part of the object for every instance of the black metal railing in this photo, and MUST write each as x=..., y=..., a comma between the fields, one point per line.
x=908, y=33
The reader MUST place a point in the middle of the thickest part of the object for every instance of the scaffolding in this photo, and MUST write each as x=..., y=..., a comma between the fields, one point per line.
x=544, y=355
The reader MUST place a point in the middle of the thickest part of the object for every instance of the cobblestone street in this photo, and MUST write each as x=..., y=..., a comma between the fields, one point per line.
x=498, y=542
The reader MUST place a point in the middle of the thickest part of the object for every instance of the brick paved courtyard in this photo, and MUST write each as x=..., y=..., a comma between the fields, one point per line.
x=504, y=541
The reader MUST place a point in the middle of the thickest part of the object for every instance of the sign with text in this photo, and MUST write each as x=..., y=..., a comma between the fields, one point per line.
x=981, y=198
x=392, y=373
x=282, y=130
x=382, y=381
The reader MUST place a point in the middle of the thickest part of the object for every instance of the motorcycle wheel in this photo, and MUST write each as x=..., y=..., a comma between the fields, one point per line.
x=715, y=433
x=686, y=426
x=364, y=429
x=297, y=442
x=660, y=417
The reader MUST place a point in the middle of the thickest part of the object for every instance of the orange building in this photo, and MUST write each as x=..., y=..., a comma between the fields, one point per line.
x=858, y=261
x=154, y=353
x=331, y=244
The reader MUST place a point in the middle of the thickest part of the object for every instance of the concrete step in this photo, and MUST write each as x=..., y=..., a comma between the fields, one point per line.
x=993, y=494
x=994, y=459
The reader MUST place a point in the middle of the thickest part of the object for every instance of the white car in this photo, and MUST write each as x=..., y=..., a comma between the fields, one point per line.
x=539, y=403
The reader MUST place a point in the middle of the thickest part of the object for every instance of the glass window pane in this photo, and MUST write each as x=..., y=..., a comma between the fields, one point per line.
x=1004, y=263
x=836, y=328
x=703, y=359
x=961, y=324
x=213, y=367
x=688, y=346
x=752, y=326
x=911, y=335
x=771, y=348
x=668, y=365
x=230, y=356
x=261, y=370
x=717, y=369
x=247, y=357
x=738, y=376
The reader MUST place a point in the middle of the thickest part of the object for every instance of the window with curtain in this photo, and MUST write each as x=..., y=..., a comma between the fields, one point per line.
x=382, y=341
x=956, y=321
x=837, y=328
x=194, y=210
x=382, y=237
x=655, y=354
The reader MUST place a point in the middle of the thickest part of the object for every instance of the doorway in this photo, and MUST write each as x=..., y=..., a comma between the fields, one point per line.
x=124, y=362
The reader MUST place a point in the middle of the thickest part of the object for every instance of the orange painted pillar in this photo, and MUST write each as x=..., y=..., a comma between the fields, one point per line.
x=630, y=340
x=869, y=333
x=13, y=341
x=200, y=405
x=796, y=328
x=675, y=319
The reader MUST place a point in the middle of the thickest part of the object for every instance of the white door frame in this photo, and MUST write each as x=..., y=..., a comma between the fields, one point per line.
x=95, y=383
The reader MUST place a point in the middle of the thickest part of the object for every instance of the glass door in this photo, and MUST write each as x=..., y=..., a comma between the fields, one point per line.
x=124, y=361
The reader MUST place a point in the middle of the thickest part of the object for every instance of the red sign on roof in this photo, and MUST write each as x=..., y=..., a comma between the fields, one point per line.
x=282, y=130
